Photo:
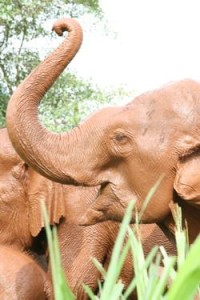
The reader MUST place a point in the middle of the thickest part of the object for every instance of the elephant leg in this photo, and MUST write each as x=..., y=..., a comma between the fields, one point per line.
x=78, y=249
x=21, y=277
x=78, y=245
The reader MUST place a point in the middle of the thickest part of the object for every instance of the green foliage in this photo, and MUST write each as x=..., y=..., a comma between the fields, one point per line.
x=187, y=280
x=150, y=282
x=3, y=105
x=22, y=21
x=60, y=286
x=71, y=100
x=112, y=288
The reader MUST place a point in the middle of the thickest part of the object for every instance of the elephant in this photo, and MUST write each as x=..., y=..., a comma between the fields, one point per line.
x=22, y=234
x=21, y=277
x=124, y=149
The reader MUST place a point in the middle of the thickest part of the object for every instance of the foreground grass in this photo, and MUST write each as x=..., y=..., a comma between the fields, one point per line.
x=179, y=278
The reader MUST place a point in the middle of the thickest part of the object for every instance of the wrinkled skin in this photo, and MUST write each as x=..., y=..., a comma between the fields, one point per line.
x=126, y=149
x=21, y=189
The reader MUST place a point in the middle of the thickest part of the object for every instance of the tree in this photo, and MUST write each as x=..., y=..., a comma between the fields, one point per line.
x=20, y=22
x=71, y=100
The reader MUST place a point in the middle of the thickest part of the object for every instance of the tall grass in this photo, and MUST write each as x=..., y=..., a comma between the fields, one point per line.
x=178, y=279
x=60, y=287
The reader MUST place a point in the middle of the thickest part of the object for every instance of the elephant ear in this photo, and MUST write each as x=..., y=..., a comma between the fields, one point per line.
x=187, y=180
x=41, y=189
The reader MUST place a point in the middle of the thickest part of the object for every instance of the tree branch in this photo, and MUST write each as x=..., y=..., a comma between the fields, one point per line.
x=5, y=37
x=8, y=82
x=19, y=52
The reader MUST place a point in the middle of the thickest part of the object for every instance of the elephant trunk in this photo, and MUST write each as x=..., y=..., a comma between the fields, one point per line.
x=43, y=150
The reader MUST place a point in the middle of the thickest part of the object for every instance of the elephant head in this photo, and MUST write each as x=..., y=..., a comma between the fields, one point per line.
x=21, y=190
x=124, y=149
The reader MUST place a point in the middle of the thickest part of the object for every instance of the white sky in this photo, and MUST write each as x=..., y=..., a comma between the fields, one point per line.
x=157, y=41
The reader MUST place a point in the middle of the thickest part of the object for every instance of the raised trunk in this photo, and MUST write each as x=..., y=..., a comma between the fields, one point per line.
x=43, y=150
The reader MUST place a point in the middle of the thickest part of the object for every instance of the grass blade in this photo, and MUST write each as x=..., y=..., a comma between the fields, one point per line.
x=60, y=286
x=113, y=272
x=188, y=277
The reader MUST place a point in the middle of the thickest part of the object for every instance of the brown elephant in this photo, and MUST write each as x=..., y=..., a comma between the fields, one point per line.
x=21, y=190
x=125, y=149
x=21, y=277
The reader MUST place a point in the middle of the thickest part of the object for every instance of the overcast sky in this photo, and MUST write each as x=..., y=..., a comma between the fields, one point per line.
x=157, y=41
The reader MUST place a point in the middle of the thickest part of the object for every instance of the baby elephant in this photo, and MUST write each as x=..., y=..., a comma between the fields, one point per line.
x=21, y=277
x=21, y=227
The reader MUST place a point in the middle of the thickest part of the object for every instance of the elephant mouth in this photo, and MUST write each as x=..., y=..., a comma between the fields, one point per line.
x=104, y=187
x=102, y=184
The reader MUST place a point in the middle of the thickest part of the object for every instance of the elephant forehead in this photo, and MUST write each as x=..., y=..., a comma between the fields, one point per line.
x=179, y=99
x=106, y=120
x=165, y=131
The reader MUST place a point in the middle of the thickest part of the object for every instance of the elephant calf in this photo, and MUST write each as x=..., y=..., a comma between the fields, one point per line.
x=21, y=277
x=21, y=190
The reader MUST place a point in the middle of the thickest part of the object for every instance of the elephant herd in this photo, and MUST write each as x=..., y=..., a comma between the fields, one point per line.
x=87, y=176
x=23, y=245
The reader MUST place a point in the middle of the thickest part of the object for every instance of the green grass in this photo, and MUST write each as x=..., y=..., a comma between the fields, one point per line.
x=60, y=286
x=147, y=282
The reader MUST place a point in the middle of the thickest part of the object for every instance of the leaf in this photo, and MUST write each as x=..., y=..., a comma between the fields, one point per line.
x=188, y=277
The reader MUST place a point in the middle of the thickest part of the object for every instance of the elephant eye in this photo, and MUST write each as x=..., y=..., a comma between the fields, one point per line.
x=121, y=143
x=121, y=138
